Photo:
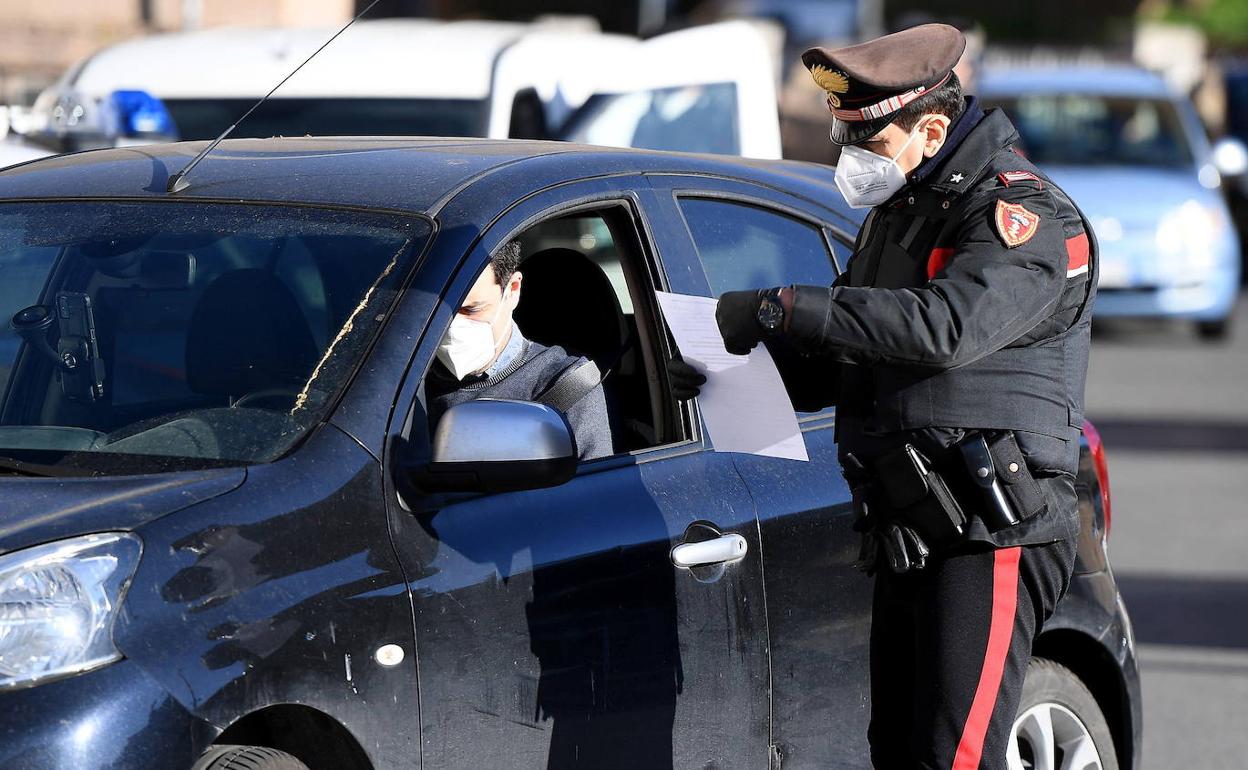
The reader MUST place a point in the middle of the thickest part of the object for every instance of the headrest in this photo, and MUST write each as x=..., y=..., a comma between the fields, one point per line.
x=568, y=300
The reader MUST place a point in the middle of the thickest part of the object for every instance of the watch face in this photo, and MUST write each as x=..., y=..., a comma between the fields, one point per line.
x=770, y=314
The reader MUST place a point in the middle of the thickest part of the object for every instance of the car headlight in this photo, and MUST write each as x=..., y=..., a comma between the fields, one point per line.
x=1187, y=237
x=58, y=602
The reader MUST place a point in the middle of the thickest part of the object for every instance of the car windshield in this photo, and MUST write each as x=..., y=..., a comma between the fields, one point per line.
x=206, y=118
x=1074, y=129
x=145, y=336
x=696, y=118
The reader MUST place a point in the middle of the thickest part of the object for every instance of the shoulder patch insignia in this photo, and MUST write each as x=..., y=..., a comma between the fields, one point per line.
x=1015, y=223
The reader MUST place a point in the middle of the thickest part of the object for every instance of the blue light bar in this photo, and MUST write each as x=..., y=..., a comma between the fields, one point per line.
x=143, y=115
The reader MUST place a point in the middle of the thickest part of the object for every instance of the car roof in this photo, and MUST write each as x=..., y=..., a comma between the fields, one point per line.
x=391, y=58
x=1109, y=80
x=409, y=174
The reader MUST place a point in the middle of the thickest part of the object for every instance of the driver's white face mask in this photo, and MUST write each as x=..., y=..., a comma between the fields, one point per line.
x=469, y=346
x=867, y=179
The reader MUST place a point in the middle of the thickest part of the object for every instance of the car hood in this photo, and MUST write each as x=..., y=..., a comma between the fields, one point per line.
x=37, y=510
x=1135, y=196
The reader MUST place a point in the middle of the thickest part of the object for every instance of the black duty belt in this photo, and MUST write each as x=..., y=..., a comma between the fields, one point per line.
x=910, y=506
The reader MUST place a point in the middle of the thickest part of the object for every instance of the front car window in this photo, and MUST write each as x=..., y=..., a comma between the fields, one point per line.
x=1074, y=129
x=147, y=336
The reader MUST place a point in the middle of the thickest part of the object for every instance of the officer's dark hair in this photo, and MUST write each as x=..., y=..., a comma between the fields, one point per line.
x=946, y=100
x=505, y=261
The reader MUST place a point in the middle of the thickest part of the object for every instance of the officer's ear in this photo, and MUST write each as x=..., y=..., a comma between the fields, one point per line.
x=933, y=132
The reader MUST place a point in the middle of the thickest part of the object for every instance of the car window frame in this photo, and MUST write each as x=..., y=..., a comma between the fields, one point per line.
x=782, y=204
x=653, y=341
x=628, y=190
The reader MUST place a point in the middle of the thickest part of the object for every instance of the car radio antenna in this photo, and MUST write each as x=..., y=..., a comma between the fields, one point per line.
x=178, y=182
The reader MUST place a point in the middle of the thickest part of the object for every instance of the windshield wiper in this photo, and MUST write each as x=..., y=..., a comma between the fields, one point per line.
x=12, y=465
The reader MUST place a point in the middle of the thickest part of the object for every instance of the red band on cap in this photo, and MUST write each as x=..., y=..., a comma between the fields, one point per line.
x=886, y=107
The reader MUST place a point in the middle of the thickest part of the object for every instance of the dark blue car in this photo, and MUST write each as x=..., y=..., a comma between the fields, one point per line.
x=229, y=534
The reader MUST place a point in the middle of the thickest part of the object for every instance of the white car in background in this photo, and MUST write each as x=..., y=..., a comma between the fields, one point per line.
x=464, y=78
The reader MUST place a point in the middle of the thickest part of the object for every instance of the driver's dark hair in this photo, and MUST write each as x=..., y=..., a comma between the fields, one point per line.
x=945, y=100
x=505, y=261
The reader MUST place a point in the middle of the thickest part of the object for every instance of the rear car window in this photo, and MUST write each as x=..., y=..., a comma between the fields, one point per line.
x=693, y=118
x=177, y=334
x=748, y=247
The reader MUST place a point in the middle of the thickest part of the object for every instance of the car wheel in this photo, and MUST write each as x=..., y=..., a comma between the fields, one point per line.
x=1059, y=724
x=247, y=758
x=1214, y=331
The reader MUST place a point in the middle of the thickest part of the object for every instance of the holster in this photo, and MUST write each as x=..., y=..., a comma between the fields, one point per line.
x=917, y=496
x=906, y=510
x=1021, y=488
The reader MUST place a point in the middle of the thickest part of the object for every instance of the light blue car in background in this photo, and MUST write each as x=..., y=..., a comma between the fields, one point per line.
x=1133, y=154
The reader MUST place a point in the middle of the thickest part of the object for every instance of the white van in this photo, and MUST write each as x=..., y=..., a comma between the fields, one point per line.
x=465, y=78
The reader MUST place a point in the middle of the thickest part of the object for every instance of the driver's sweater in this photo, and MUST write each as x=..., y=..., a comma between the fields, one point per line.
x=523, y=372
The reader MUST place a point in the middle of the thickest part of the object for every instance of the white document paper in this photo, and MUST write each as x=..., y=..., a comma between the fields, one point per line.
x=744, y=402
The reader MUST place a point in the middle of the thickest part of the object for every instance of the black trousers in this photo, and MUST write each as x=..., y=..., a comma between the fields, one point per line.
x=950, y=645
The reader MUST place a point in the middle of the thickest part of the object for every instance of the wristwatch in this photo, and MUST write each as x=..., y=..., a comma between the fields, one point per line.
x=770, y=311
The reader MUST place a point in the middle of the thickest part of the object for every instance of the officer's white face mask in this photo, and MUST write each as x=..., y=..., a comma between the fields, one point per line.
x=867, y=179
x=468, y=345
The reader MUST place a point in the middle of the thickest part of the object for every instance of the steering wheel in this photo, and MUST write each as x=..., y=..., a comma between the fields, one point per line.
x=259, y=395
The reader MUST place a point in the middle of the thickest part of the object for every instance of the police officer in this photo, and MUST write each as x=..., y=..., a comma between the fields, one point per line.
x=955, y=347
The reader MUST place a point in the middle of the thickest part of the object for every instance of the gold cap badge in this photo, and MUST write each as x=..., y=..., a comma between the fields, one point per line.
x=831, y=81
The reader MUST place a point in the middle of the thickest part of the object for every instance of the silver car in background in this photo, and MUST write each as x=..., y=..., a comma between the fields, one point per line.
x=1133, y=152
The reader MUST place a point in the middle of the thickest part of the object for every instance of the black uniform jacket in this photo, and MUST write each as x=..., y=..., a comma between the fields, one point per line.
x=966, y=304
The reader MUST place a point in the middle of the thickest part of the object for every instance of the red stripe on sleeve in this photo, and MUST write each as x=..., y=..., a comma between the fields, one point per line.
x=1077, y=251
x=936, y=261
x=1000, y=632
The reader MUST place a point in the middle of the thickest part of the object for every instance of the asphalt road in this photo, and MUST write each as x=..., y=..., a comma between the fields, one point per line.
x=1174, y=415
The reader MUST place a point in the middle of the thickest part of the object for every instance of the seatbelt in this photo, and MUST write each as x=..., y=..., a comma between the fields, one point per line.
x=569, y=389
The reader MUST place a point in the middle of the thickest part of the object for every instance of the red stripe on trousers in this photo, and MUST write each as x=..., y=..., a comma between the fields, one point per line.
x=1077, y=251
x=1004, y=604
x=937, y=260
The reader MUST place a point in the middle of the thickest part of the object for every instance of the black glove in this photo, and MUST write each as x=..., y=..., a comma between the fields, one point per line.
x=903, y=548
x=686, y=381
x=737, y=316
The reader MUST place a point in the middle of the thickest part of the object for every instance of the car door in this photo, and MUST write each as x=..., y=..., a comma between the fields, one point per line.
x=553, y=628
x=818, y=604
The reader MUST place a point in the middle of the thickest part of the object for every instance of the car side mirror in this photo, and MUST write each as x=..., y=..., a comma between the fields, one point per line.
x=494, y=445
x=1230, y=157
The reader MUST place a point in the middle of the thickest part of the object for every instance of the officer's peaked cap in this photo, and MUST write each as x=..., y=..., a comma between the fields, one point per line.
x=867, y=84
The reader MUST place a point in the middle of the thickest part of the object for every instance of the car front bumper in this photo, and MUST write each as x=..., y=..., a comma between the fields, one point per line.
x=114, y=717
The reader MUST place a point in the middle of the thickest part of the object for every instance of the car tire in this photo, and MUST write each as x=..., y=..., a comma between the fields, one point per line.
x=247, y=758
x=1059, y=721
x=1214, y=331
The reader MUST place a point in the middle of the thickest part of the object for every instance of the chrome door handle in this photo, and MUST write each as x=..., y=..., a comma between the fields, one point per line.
x=722, y=549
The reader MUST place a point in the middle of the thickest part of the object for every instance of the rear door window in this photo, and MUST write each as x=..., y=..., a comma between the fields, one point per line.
x=744, y=246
